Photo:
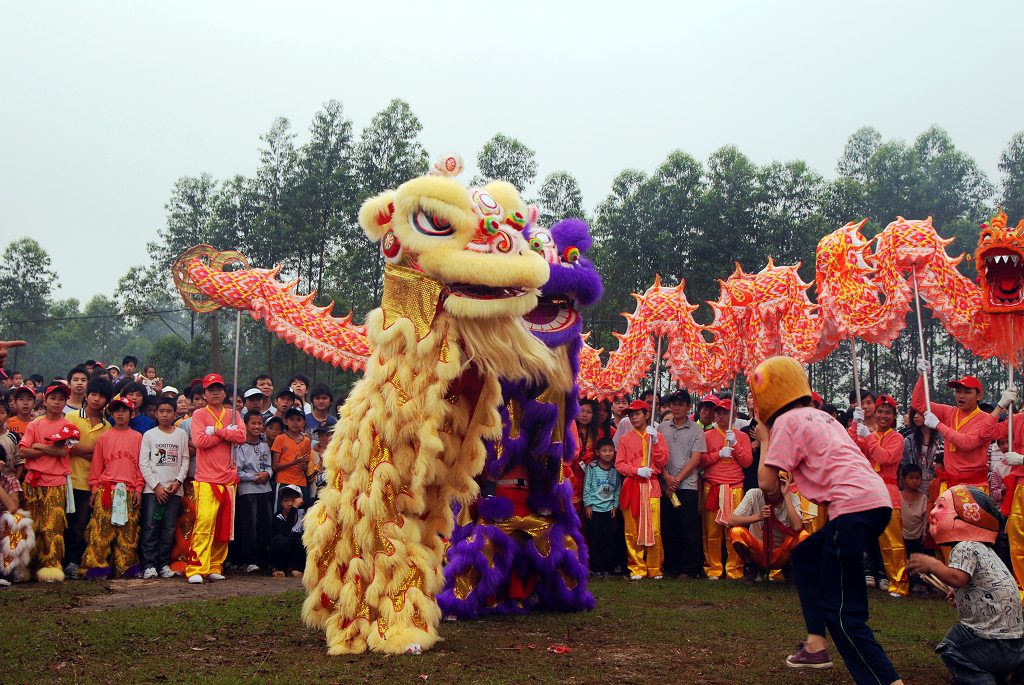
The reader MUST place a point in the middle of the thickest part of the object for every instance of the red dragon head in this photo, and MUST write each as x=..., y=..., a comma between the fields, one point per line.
x=1000, y=261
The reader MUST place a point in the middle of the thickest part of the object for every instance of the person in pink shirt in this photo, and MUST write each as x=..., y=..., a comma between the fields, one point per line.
x=641, y=455
x=116, y=482
x=214, y=429
x=967, y=430
x=729, y=452
x=47, y=483
x=828, y=467
x=884, y=449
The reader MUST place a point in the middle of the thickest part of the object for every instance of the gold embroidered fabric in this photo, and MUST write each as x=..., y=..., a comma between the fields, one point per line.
x=412, y=295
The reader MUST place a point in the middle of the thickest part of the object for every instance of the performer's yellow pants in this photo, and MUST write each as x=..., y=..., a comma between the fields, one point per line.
x=644, y=561
x=813, y=525
x=740, y=536
x=714, y=536
x=894, y=555
x=46, y=504
x=110, y=545
x=209, y=554
x=1015, y=533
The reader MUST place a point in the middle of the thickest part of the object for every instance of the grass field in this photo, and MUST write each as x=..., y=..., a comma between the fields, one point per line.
x=650, y=632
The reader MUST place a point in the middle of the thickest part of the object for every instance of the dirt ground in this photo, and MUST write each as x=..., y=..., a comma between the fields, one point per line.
x=131, y=594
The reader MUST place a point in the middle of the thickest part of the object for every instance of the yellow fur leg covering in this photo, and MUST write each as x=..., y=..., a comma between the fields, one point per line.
x=46, y=505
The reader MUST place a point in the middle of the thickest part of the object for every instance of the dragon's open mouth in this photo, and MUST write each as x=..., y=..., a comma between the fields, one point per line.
x=482, y=292
x=552, y=315
x=1003, y=272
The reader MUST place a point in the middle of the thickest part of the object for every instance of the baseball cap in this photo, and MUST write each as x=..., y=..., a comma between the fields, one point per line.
x=289, y=491
x=678, y=396
x=969, y=382
x=816, y=398
x=284, y=391
x=169, y=388
x=639, y=405
x=123, y=401
x=724, y=405
x=294, y=411
x=885, y=399
x=708, y=399
x=253, y=392
x=57, y=387
x=211, y=379
x=21, y=390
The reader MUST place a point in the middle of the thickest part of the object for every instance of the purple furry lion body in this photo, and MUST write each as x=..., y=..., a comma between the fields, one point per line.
x=505, y=557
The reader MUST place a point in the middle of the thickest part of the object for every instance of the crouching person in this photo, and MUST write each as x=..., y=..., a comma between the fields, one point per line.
x=756, y=526
x=987, y=644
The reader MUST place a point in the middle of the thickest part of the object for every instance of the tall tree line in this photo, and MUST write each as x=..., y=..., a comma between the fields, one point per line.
x=687, y=218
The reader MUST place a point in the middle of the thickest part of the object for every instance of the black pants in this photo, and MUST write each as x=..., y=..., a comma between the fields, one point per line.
x=680, y=533
x=830, y=582
x=74, y=534
x=158, y=534
x=252, y=527
x=601, y=541
x=287, y=552
x=974, y=660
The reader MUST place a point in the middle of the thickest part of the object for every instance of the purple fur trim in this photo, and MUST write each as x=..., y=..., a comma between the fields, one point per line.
x=494, y=508
x=492, y=575
x=99, y=573
x=572, y=231
x=133, y=571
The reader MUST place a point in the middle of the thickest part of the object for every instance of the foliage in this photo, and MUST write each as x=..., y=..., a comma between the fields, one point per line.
x=687, y=218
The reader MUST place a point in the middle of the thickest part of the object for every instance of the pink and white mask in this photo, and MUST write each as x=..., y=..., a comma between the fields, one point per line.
x=958, y=517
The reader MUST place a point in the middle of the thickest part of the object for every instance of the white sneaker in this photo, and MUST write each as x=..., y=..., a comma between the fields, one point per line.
x=636, y=577
x=196, y=579
x=71, y=570
x=167, y=572
x=869, y=581
x=215, y=576
x=714, y=577
x=4, y=582
x=883, y=585
x=149, y=574
x=252, y=568
x=658, y=577
x=896, y=595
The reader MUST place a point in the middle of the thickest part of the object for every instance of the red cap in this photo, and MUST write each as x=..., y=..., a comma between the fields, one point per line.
x=66, y=432
x=58, y=387
x=101, y=365
x=969, y=382
x=885, y=399
x=725, y=405
x=212, y=379
x=639, y=405
x=816, y=398
x=122, y=401
x=708, y=399
x=194, y=382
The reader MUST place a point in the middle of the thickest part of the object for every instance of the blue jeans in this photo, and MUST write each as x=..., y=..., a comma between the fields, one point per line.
x=830, y=581
x=974, y=660
x=158, y=536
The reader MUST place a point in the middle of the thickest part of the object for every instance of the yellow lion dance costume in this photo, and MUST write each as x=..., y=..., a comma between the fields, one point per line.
x=458, y=277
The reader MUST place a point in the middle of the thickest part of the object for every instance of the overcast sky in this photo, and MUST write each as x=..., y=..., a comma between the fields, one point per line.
x=106, y=103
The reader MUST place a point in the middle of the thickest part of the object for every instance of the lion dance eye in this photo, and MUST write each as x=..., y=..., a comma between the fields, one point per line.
x=571, y=255
x=432, y=225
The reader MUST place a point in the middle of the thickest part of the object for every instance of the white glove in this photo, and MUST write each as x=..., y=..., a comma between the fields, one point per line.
x=924, y=367
x=725, y=453
x=858, y=415
x=651, y=430
x=863, y=431
x=1009, y=396
x=209, y=430
x=730, y=437
x=1013, y=459
x=233, y=427
x=645, y=472
x=930, y=419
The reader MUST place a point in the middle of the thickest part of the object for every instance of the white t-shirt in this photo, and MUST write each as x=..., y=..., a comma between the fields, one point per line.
x=990, y=603
x=751, y=505
x=163, y=458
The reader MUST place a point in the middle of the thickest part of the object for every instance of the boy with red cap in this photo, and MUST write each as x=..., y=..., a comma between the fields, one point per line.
x=48, y=481
x=966, y=429
x=112, y=536
x=642, y=454
x=728, y=453
x=214, y=429
x=884, y=449
x=828, y=468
